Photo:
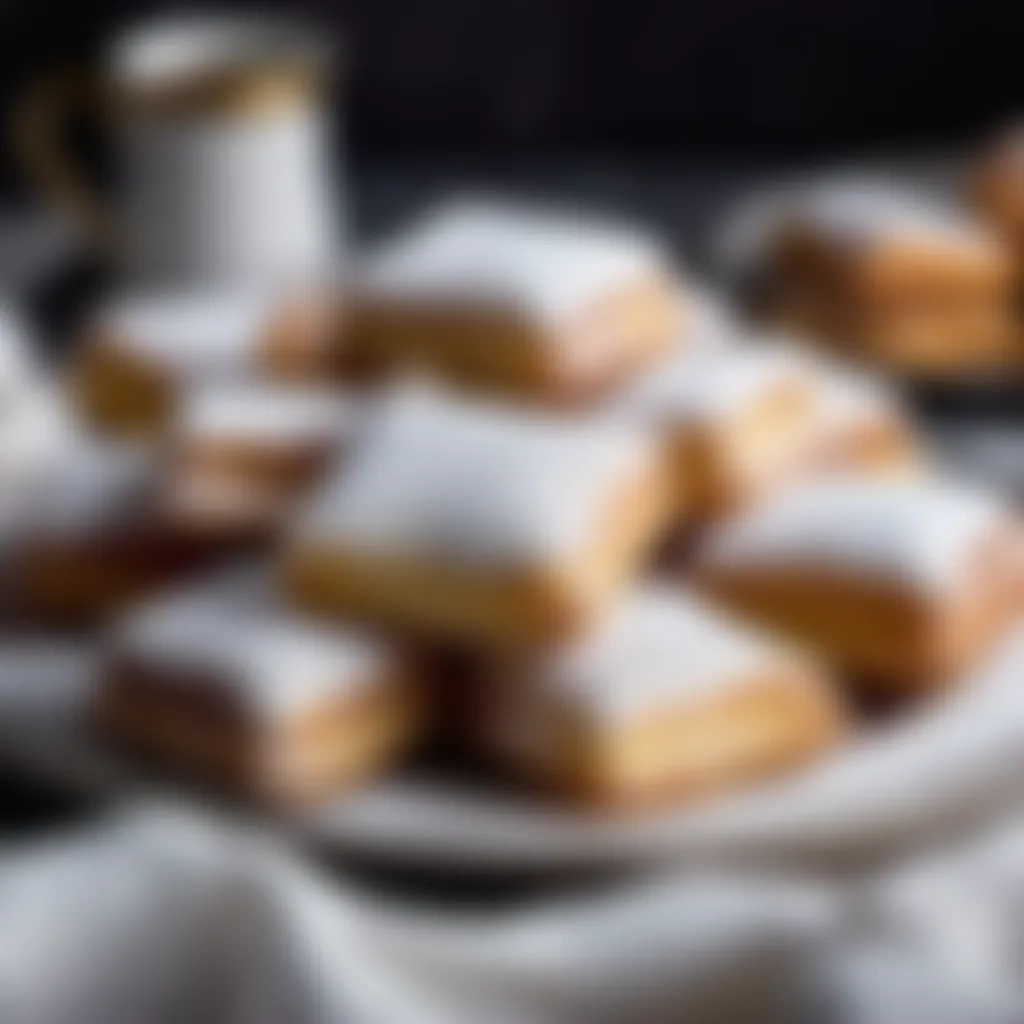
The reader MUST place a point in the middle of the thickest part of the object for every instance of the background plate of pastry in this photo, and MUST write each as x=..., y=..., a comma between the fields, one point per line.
x=915, y=272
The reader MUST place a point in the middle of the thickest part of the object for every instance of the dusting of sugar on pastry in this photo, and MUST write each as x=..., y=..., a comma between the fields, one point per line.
x=547, y=264
x=233, y=632
x=190, y=334
x=857, y=210
x=474, y=483
x=918, y=533
x=657, y=648
x=265, y=414
x=710, y=325
x=713, y=386
x=845, y=399
x=92, y=483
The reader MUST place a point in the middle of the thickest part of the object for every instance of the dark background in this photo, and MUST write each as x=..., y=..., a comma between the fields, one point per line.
x=666, y=110
x=674, y=79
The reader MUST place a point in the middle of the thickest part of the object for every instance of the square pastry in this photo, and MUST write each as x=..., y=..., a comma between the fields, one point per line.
x=860, y=426
x=478, y=522
x=140, y=353
x=662, y=699
x=245, y=452
x=223, y=684
x=905, y=583
x=515, y=300
x=892, y=278
x=92, y=537
x=734, y=422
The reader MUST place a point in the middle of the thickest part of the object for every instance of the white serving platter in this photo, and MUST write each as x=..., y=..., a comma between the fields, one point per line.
x=931, y=769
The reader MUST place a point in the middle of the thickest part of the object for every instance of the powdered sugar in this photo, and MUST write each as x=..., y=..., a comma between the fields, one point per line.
x=658, y=648
x=712, y=387
x=233, y=632
x=539, y=262
x=265, y=414
x=474, y=484
x=191, y=335
x=917, y=533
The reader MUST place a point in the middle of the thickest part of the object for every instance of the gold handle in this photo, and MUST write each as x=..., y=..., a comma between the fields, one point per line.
x=39, y=123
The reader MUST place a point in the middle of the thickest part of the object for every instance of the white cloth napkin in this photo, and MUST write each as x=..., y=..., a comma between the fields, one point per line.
x=163, y=918
x=938, y=939
x=154, y=917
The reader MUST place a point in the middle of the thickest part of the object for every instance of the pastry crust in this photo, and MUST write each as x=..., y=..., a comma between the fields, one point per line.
x=244, y=454
x=887, y=638
x=503, y=354
x=116, y=391
x=902, y=603
x=327, y=750
x=80, y=581
x=509, y=531
x=663, y=701
x=859, y=427
x=472, y=296
x=94, y=539
x=300, y=716
x=140, y=355
x=742, y=423
x=894, y=282
x=503, y=606
x=734, y=424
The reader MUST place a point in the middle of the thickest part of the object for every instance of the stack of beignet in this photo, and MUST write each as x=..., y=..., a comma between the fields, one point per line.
x=471, y=513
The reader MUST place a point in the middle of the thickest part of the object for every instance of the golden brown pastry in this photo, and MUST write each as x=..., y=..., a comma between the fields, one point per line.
x=245, y=453
x=734, y=423
x=478, y=522
x=904, y=583
x=742, y=421
x=893, y=281
x=224, y=686
x=663, y=699
x=94, y=538
x=140, y=354
x=514, y=300
x=860, y=427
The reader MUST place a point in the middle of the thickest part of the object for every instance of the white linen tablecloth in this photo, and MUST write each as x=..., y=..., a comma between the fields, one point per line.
x=162, y=917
